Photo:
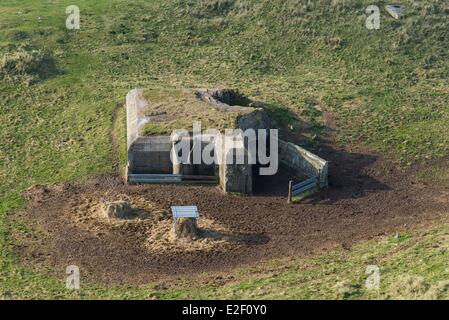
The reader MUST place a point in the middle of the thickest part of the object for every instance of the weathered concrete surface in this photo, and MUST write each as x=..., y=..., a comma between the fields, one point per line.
x=135, y=117
x=148, y=155
x=303, y=161
x=188, y=167
x=237, y=178
x=255, y=120
x=225, y=100
x=396, y=11
x=151, y=154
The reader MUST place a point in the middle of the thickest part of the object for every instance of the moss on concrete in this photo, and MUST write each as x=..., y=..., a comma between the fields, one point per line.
x=170, y=109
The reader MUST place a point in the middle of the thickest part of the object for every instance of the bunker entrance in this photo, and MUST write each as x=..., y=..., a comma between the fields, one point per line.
x=271, y=185
x=193, y=163
x=264, y=182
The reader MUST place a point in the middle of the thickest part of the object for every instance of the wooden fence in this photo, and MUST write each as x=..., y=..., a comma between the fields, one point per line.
x=300, y=188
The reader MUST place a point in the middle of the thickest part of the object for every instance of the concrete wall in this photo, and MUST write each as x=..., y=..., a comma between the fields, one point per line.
x=191, y=169
x=303, y=162
x=135, y=117
x=148, y=155
x=236, y=178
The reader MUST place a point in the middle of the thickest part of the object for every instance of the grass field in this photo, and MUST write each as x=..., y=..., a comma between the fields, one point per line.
x=386, y=88
x=412, y=266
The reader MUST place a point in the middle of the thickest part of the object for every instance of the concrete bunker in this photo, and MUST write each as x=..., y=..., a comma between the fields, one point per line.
x=153, y=115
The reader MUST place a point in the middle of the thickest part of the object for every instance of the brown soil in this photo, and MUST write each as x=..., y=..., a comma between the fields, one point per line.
x=367, y=198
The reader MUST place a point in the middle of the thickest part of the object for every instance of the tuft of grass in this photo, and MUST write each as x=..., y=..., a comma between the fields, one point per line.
x=305, y=195
x=409, y=287
x=26, y=66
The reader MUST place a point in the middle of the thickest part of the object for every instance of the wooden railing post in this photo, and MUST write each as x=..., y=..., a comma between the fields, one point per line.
x=290, y=184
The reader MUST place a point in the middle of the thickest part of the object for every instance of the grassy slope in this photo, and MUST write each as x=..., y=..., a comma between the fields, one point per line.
x=388, y=88
x=412, y=266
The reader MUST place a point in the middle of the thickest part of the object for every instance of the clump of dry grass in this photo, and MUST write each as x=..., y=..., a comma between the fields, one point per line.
x=25, y=66
x=334, y=42
x=409, y=287
x=414, y=287
x=209, y=8
x=438, y=291
x=342, y=289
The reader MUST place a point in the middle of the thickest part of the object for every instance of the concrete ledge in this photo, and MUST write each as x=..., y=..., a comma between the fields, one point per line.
x=135, y=117
x=150, y=155
x=304, y=162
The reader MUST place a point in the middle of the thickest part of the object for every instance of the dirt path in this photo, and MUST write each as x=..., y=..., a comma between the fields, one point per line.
x=366, y=199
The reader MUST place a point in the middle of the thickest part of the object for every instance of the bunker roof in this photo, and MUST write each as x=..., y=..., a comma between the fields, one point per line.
x=170, y=109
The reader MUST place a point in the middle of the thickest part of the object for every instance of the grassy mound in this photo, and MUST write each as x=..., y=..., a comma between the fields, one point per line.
x=25, y=66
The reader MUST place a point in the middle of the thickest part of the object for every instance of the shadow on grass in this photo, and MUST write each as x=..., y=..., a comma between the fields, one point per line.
x=348, y=177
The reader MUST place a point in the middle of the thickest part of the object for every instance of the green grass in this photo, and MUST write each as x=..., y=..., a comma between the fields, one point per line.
x=386, y=88
x=304, y=195
x=412, y=266
x=178, y=109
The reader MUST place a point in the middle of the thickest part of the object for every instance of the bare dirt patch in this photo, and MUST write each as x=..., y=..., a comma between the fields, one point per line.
x=148, y=225
x=367, y=198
